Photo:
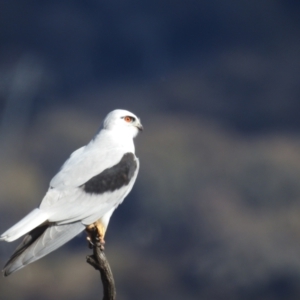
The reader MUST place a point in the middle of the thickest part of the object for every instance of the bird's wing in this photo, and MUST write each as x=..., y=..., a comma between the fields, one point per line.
x=83, y=164
x=86, y=203
x=86, y=188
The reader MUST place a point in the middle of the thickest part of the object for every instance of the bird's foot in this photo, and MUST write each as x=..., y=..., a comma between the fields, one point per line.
x=95, y=236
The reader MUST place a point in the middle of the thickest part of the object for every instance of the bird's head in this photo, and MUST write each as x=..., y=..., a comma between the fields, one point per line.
x=124, y=121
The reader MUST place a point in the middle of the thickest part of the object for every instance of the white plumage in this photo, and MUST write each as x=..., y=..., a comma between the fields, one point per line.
x=87, y=189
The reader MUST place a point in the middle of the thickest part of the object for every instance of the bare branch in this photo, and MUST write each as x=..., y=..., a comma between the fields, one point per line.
x=99, y=262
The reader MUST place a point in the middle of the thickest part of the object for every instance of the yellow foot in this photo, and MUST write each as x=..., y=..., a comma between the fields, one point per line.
x=100, y=230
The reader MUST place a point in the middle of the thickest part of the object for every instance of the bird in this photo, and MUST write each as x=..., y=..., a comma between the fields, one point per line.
x=89, y=186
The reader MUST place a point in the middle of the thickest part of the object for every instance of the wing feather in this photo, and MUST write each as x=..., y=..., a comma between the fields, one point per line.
x=40, y=242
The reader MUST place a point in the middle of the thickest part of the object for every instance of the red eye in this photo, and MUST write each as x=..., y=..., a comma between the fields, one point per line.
x=128, y=119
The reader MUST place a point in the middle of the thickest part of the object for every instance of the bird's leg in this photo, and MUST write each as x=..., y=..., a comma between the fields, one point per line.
x=100, y=228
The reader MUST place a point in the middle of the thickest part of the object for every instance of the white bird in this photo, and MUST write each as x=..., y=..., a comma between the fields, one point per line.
x=83, y=194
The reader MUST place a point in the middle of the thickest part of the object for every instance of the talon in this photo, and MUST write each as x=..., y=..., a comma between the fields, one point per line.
x=90, y=243
x=102, y=243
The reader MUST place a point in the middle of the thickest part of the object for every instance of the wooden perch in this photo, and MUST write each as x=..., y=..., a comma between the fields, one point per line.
x=99, y=262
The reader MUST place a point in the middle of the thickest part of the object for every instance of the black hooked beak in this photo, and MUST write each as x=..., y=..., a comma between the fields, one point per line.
x=140, y=127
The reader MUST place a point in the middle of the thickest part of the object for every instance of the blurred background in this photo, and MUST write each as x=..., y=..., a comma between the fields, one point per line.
x=215, y=212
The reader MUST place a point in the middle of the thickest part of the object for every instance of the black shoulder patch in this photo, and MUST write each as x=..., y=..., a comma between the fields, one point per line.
x=113, y=178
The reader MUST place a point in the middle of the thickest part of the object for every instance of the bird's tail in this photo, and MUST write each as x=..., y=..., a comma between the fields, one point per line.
x=40, y=242
x=32, y=220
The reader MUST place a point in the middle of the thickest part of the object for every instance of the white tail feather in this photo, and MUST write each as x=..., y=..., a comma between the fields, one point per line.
x=29, y=222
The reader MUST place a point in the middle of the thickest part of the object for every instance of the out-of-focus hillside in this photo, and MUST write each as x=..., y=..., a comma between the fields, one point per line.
x=214, y=215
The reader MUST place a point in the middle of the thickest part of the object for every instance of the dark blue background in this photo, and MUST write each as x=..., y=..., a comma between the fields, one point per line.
x=214, y=213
